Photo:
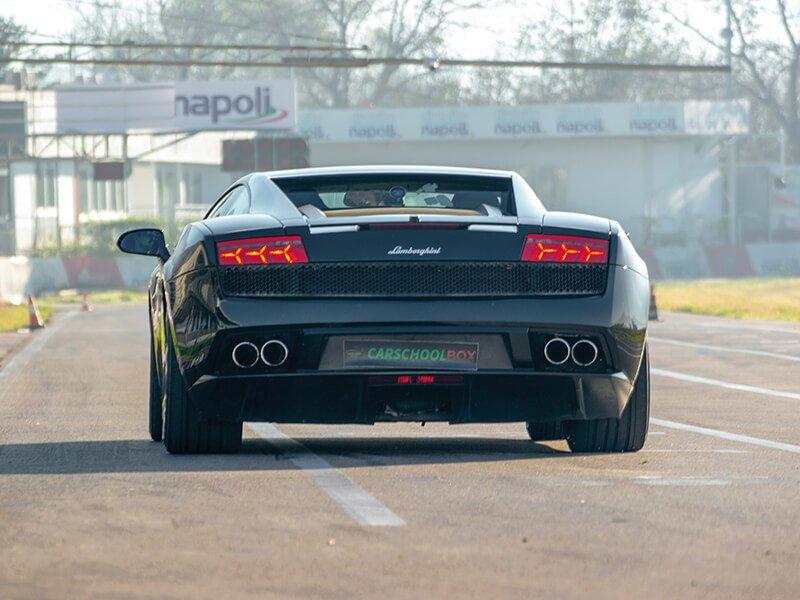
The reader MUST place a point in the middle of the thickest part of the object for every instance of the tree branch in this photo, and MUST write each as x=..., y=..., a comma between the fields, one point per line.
x=686, y=24
x=785, y=21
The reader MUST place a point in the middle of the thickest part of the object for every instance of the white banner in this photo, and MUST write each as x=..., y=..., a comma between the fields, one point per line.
x=177, y=106
x=270, y=105
x=534, y=121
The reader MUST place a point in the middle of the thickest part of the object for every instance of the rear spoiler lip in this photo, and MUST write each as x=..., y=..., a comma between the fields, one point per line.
x=412, y=218
x=486, y=227
x=506, y=224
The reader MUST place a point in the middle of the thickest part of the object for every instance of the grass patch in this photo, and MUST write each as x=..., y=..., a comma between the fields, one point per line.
x=762, y=298
x=98, y=297
x=13, y=317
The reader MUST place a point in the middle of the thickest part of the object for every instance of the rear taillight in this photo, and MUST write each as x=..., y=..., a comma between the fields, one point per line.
x=262, y=251
x=565, y=249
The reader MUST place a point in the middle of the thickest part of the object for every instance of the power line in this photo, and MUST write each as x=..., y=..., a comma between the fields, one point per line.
x=356, y=62
x=434, y=64
x=165, y=46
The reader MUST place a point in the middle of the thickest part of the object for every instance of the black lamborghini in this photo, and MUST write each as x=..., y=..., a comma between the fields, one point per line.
x=367, y=294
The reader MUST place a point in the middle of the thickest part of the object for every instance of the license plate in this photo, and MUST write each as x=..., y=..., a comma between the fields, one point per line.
x=406, y=354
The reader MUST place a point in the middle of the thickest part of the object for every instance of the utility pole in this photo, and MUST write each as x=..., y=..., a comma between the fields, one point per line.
x=730, y=169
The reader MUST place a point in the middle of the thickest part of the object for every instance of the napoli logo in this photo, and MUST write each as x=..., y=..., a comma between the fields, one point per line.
x=251, y=109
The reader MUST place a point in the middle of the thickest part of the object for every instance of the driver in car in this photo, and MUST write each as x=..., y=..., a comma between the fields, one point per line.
x=363, y=199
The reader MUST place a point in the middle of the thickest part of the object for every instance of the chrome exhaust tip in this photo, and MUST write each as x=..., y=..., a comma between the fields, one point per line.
x=274, y=353
x=557, y=351
x=245, y=355
x=584, y=353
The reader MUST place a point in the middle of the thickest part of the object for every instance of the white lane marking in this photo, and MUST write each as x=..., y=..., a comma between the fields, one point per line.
x=724, y=435
x=353, y=499
x=23, y=357
x=724, y=384
x=725, y=349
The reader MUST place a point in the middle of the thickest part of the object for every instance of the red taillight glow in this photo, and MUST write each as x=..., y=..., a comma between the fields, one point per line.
x=416, y=380
x=262, y=251
x=565, y=249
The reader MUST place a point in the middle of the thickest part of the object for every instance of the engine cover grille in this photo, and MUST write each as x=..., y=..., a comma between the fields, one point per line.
x=414, y=280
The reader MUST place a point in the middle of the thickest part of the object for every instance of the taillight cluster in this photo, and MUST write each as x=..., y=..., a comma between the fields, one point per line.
x=262, y=251
x=565, y=249
x=541, y=248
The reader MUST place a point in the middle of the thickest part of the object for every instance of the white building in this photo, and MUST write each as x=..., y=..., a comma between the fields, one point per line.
x=653, y=166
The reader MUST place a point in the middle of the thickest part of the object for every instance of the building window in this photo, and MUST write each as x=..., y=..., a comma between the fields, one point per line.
x=100, y=196
x=46, y=181
x=193, y=184
x=168, y=193
x=86, y=192
x=108, y=196
x=5, y=198
x=119, y=194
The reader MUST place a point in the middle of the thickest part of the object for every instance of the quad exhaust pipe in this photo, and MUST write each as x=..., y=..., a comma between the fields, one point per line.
x=557, y=351
x=246, y=354
x=583, y=352
x=274, y=353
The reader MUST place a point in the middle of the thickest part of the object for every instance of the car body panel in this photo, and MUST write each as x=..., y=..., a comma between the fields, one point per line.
x=187, y=304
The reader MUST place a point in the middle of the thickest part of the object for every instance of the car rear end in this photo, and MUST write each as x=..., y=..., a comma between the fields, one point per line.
x=460, y=315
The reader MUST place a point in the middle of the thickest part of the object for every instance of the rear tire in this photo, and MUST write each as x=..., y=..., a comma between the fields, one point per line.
x=156, y=398
x=184, y=431
x=626, y=434
x=545, y=431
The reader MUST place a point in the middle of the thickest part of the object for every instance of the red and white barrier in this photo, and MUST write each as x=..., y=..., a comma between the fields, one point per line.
x=20, y=276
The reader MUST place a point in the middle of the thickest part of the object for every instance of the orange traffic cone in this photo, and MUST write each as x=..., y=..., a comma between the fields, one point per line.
x=85, y=306
x=34, y=316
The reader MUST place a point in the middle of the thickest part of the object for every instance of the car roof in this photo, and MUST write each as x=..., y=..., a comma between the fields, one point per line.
x=386, y=169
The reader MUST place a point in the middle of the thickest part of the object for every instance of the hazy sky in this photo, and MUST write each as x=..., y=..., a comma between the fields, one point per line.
x=54, y=18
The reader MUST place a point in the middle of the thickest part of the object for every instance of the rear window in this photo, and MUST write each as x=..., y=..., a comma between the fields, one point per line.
x=428, y=193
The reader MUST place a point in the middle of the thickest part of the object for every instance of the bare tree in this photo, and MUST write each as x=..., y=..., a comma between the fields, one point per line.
x=190, y=21
x=397, y=28
x=766, y=60
x=605, y=30
x=10, y=32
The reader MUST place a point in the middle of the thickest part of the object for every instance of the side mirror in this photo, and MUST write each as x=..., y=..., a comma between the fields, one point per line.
x=149, y=242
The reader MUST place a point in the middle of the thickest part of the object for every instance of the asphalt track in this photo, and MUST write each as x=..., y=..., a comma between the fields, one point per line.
x=710, y=508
